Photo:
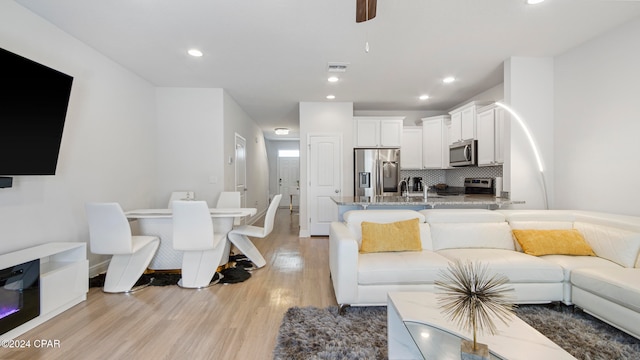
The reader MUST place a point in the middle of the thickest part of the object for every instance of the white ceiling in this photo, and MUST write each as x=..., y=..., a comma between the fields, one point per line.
x=271, y=55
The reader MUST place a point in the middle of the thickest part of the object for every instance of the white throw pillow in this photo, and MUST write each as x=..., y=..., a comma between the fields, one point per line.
x=614, y=244
x=471, y=235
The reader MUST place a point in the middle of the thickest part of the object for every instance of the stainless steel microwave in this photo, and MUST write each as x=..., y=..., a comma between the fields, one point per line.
x=463, y=153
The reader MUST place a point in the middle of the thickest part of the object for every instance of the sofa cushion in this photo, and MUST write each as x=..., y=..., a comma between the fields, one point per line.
x=617, y=221
x=539, y=216
x=397, y=236
x=569, y=263
x=553, y=242
x=540, y=225
x=414, y=267
x=471, y=235
x=621, y=286
x=354, y=219
x=518, y=267
x=618, y=245
x=461, y=216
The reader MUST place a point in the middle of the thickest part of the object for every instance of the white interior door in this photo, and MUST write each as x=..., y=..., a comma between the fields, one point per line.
x=325, y=181
x=289, y=180
x=241, y=169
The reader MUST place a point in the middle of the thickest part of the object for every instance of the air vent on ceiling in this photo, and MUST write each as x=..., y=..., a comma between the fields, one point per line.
x=337, y=66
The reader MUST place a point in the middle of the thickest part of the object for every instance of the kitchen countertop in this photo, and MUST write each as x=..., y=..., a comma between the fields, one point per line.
x=433, y=200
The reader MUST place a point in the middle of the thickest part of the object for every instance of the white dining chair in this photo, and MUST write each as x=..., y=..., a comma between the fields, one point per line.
x=110, y=234
x=203, y=249
x=230, y=200
x=181, y=195
x=240, y=235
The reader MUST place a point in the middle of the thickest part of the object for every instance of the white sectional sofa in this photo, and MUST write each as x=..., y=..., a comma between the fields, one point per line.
x=606, y=285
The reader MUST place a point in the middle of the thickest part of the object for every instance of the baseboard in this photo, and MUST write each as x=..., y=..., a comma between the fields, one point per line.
x=304, y=234
x=257, y=217
x=98, y=268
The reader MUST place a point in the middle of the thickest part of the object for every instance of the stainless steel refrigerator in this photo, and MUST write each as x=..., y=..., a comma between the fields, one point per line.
x=377, y=171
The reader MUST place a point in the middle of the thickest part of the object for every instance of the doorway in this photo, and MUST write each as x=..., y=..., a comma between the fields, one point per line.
x=288, y=168
x=241, y=168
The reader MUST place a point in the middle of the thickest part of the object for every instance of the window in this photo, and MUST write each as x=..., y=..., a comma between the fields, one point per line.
x=288, y=153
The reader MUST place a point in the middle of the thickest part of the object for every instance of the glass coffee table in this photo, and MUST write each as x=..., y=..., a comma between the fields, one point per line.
x=418, y=330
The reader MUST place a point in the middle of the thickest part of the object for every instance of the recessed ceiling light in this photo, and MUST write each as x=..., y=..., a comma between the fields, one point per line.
x=331, y=97
x=195, y=52
x=423, y=97
x=533, y=2
x=333, y=79
x=448, y=79
x=281, y=131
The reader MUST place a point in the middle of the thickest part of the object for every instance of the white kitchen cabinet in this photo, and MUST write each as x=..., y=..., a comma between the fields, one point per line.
x=455, y=130
x=435, y=144
x=490, y=135
x=377, y=131
x=411, y=149
x=463, y=122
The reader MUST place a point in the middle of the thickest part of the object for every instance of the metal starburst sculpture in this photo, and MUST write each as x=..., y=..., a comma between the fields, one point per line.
x=472, y=297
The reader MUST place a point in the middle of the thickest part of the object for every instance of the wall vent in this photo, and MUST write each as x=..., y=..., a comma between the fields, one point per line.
x=337, y=66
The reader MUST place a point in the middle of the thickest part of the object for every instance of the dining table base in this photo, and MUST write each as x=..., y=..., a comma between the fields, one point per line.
x=168, y=258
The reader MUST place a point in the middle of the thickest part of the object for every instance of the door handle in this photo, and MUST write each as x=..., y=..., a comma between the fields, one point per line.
x=337, y=191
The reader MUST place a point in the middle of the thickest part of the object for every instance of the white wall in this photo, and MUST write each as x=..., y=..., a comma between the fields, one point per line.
x=528, y=90
x=124, y=141
x=190, y=143
x=495, y=93
x=597, y=115
x=325, y=118
x=237, y=121
x=196, y=137
x=108, y=145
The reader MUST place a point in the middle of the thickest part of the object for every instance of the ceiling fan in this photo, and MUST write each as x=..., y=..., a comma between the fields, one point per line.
x=365, y=10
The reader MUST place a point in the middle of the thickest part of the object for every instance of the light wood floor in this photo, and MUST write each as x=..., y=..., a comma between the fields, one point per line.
x=233, y=321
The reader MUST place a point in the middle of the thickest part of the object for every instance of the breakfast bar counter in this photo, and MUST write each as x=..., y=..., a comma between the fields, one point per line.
x=417, y=202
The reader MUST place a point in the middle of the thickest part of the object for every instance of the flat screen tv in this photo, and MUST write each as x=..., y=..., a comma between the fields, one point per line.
x=33, y=108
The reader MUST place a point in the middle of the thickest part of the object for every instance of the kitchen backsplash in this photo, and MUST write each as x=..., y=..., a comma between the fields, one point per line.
x=455, y=176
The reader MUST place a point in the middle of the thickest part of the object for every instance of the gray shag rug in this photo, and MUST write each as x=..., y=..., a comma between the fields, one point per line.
x=361, y=333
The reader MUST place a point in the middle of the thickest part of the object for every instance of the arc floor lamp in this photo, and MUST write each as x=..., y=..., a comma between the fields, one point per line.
x=533, y=145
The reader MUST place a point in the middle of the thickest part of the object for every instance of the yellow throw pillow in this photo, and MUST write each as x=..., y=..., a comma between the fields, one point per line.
x=553, y=242
x=396, y=236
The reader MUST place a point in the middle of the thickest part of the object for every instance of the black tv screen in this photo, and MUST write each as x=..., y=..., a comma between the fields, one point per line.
x=33, y=108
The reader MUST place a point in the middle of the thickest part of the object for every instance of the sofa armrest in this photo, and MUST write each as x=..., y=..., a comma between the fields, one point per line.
x=343, y=263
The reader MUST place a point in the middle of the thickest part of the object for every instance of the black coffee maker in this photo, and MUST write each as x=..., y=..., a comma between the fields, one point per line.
x=417, y=183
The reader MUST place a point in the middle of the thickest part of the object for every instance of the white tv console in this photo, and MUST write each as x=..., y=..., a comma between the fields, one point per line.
x=64, y=279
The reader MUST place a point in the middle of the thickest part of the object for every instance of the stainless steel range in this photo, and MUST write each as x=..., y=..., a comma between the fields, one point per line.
x=479, y=186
